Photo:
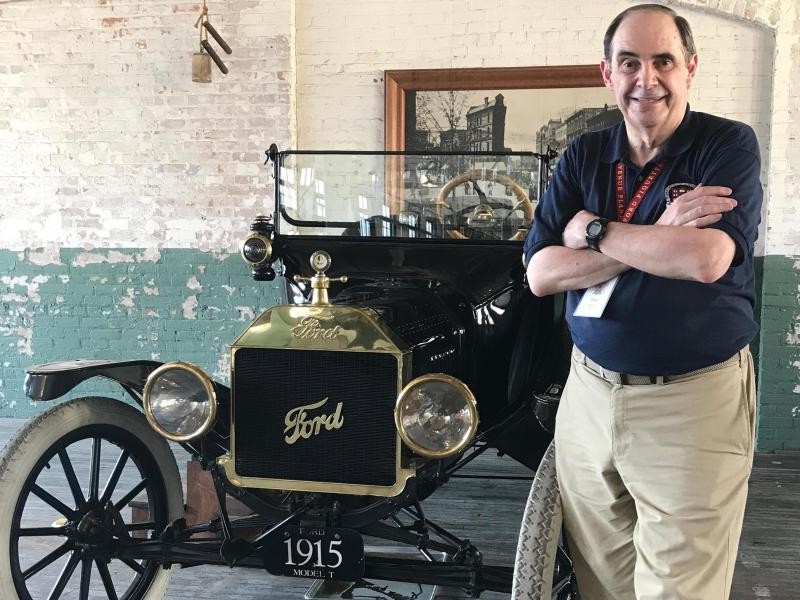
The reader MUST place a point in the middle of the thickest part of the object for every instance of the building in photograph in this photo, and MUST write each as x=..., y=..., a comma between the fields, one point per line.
x=453, y=140
x=486, y=125
x=577, y=122
x=547, y=136
x=591, y=119
x=610, y=115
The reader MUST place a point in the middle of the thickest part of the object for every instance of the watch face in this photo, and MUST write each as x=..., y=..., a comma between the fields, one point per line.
x=320, y=260
x=595, y=227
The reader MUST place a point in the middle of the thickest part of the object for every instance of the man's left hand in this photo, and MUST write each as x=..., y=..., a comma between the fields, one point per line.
x=574, y=235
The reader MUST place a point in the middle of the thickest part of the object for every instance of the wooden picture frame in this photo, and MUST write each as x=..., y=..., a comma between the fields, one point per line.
x=398, y=82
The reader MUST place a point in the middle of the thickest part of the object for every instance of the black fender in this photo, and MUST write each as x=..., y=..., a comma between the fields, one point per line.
x=53, y=380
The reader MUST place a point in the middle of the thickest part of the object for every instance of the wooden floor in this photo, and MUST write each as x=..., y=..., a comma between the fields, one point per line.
x=488, y=513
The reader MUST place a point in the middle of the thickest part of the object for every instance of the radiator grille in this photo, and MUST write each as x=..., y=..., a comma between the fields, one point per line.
x=268, y=383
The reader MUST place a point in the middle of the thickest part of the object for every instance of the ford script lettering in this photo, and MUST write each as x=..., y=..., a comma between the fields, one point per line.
x=310, y=328
x=301, y=425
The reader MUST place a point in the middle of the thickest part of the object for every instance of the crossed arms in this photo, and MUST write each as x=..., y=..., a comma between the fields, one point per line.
x=677, y=246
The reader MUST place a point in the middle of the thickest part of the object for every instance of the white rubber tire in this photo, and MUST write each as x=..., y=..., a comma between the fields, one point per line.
x=25, y=449
x=539, y=535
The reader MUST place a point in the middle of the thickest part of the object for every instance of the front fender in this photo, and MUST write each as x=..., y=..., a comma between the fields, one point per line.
x=53, y=380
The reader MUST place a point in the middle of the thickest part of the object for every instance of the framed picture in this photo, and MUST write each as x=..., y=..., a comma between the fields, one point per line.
x=534, y=109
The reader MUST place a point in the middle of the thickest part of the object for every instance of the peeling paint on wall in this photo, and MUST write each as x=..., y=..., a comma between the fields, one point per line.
x=128, y=299
x=793, y=336
x=246, y=313
x=17, y=318
x=223, y=370
x=193, y=284
x=42, y=257
x=31, y=287
x=114, y=257
x=189, y=307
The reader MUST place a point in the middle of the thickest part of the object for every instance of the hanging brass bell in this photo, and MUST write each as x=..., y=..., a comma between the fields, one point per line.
x=201, y=67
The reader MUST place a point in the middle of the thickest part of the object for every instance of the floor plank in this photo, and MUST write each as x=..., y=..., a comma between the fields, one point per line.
x=488, y=513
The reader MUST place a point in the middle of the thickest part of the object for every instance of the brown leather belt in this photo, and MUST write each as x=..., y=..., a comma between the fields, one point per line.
x=626, y=379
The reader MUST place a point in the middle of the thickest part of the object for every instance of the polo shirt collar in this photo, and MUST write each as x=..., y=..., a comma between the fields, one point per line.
x=616, y=148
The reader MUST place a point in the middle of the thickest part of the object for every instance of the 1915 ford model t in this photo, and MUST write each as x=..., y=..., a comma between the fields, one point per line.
x=347, y=407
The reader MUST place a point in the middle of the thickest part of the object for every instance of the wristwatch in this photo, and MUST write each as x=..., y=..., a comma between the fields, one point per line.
x=596, y=231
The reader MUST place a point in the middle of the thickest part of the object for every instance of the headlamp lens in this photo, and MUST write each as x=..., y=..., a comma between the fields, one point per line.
x=179, y=401
x=436, y=415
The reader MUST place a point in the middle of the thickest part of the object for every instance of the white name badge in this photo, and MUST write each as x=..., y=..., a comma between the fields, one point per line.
x=595, y=299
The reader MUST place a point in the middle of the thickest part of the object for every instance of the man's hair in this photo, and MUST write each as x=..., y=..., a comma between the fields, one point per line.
x=685, y=31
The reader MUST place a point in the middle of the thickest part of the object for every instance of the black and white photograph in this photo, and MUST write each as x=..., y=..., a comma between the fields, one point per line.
x=506, y=120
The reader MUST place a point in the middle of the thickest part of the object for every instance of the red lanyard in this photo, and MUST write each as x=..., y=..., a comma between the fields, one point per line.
x=625, y=213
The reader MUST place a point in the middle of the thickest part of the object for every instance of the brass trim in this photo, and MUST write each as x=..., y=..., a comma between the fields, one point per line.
x=267, y=243
x=360, y=330
x=320, y=261
x=471, y=404
x=210, y=391
x=227, y=462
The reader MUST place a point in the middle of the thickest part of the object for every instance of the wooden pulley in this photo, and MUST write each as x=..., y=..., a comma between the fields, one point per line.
x=201, y=61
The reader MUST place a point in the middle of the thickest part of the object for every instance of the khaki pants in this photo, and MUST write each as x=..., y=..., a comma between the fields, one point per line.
x=653, y=480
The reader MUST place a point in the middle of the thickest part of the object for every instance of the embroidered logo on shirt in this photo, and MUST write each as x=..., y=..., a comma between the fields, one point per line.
x=674, y=190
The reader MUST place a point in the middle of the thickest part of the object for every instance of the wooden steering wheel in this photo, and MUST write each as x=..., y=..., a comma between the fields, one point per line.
x=523, y=202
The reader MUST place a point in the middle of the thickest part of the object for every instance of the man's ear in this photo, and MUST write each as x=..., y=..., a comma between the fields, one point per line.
x=605, y=72
x=691, y=66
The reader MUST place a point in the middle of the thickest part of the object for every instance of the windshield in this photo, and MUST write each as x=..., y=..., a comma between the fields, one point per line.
x=431, y=196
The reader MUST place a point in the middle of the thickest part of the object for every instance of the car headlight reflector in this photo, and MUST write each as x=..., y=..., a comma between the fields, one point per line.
x=179, y=401
x=436, y=415
x=256, y=249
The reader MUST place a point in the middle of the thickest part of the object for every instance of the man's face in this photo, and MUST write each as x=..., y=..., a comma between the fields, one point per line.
x=648, y=73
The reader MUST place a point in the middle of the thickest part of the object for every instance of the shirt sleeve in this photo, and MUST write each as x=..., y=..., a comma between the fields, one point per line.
x=561, y=201
x=735, y=162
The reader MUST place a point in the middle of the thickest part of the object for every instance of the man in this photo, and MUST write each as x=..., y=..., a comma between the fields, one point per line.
x=657, y=216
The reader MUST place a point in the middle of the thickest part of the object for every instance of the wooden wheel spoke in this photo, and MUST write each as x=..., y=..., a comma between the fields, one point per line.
x=86, y=578
x=54, y=502
x=134, y=565
x=113, y=479
x=46, y=561
x=105, y=576
x=94, y=475
x=41, y=531
x=74, y=486
x=144, y=526
x=130, y=495
x=66, y=574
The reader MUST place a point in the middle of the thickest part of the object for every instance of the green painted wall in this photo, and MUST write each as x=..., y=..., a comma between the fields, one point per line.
x=121, y=304
x=779, y=359
x=190, y=305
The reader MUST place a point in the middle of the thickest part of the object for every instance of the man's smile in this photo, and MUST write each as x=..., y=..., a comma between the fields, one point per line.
x=647, y=99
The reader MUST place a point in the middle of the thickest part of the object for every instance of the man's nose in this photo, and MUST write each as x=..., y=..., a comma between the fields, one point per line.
x=648, y=76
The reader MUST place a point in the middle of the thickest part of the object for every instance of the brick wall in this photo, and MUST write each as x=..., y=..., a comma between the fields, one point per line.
x=108, y=145
x=126, y=186
x=101, y=124
x=168, y=304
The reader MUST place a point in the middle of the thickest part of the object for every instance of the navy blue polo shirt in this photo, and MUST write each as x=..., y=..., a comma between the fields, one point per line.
x=653, y=325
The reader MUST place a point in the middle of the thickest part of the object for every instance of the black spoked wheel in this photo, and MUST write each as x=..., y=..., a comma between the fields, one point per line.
x=76, y=481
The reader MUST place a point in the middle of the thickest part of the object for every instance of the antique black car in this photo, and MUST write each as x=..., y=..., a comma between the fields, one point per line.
x=409, y=345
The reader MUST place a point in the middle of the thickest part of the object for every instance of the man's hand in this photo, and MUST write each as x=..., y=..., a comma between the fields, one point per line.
x=699, y=207
x=574, y=235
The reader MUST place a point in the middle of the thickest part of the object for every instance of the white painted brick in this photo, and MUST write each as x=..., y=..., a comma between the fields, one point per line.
x=98, y=112
x=73, y=77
